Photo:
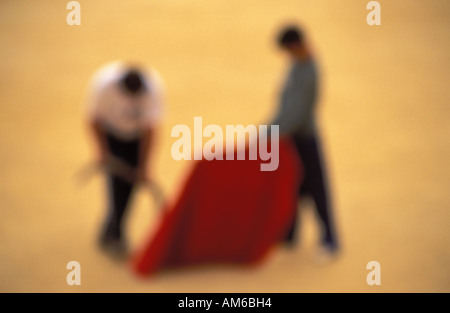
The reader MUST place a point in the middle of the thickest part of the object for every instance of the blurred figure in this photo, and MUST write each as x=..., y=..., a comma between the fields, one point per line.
x=124, y=109
x=296, y=118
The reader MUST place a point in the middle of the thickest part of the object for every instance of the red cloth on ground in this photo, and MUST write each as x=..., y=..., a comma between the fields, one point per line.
x=229, y=211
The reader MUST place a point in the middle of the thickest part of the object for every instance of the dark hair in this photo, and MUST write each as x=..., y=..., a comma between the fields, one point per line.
x=290, y=35
x=132, y=82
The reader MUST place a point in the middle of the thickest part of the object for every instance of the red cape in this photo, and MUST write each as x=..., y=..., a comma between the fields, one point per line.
x=229, y=211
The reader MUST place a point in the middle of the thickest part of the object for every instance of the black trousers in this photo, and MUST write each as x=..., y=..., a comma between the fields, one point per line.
x=119, y=190
x=314, y=185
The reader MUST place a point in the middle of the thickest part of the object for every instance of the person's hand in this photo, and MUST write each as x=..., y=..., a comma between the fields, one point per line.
x=143, y=175
x=101, y=159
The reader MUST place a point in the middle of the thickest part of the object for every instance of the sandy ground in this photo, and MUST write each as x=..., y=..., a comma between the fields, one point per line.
x=384, y=116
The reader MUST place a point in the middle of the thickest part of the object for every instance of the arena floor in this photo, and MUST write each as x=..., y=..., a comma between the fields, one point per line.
x=384, y=113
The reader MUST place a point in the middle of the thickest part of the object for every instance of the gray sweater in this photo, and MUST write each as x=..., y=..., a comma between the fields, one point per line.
x=296, y=112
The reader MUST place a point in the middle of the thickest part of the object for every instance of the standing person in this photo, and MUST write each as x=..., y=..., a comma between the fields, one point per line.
x=124, y=109
x=296, y=118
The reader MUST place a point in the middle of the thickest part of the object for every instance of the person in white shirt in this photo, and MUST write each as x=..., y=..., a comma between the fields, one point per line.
x=123, y=112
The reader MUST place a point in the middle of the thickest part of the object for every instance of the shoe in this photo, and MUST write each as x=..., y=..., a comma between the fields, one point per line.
x=327, y=253
x=115, y=248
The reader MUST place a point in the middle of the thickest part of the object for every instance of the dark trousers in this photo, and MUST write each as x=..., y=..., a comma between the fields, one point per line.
x=119, y=189
x=315, y=185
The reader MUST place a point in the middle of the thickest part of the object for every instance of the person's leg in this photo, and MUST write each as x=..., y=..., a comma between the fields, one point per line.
x=292, y=234
x=315, y=185
x=119, y=190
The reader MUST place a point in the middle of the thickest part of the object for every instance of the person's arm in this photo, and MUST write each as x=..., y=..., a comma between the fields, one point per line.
x=152, y=115
x=145, y=149
x=99, y=139
x=96, y=98
x=295, y=110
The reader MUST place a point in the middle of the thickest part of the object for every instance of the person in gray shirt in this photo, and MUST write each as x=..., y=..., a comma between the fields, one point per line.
x=296, y=118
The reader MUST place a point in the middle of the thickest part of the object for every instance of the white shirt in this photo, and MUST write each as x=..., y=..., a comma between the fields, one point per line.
x=120, y=113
